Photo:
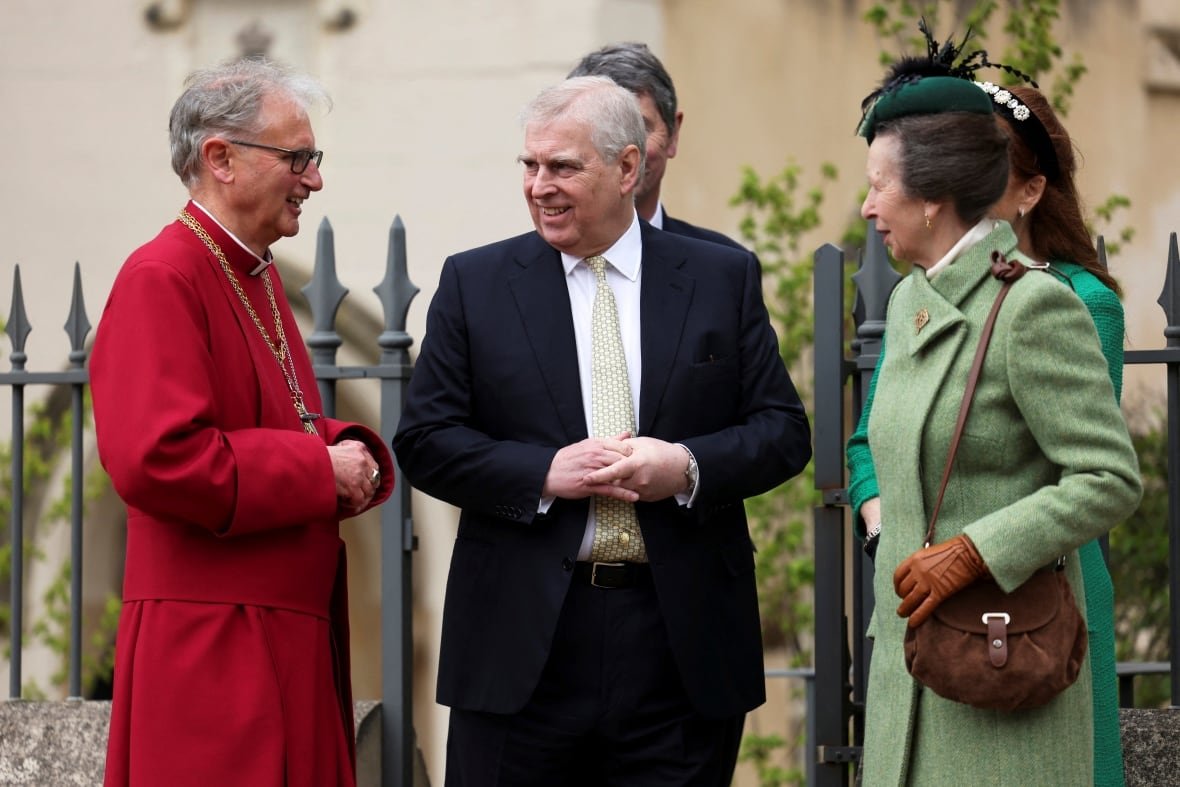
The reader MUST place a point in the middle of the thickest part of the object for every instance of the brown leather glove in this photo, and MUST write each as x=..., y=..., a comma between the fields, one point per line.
x=933, y=574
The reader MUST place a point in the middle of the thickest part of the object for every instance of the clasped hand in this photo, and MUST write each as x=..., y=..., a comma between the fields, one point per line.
x=353, y=467
x=931, y=575
x=623, y=467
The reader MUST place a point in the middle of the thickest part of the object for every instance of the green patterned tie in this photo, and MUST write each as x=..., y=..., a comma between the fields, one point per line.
x=616, y=535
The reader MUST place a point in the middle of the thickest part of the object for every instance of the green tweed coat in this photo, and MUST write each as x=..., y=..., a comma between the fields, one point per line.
x=1045, y=465
x=1107, y=313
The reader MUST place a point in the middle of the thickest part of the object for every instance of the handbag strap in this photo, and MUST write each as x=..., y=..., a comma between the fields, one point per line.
x=1007, y=272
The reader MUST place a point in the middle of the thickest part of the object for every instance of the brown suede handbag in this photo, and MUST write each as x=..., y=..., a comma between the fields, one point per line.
x=982, y=646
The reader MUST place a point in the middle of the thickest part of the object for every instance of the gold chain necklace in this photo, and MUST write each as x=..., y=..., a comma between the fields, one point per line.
x=281, y=351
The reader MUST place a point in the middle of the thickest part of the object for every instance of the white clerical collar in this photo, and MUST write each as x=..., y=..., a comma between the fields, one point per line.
x=624, y=255
x=972, y=236
x=263, y=263
x=657, y=218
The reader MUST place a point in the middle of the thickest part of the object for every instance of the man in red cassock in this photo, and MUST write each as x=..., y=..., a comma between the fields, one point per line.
x=232, y=661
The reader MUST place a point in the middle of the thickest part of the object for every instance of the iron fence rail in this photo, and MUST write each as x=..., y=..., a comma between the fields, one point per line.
x=836, y=681
x=324, y=294
x=835, y=688
x=76, y=377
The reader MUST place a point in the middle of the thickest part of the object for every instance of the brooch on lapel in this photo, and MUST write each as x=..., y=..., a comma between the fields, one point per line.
x=920, y=320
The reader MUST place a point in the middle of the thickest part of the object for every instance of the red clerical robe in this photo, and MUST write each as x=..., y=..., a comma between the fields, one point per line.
x=232, y=662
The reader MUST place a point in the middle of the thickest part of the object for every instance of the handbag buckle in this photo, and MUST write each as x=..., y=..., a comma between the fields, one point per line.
x=997, y=634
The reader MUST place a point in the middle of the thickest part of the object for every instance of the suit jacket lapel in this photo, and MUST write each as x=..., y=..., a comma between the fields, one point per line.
x=542, y=297
x=664, y=298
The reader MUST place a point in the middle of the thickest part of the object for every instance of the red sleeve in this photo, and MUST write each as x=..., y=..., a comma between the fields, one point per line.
x=335, y=431
x=176, y=397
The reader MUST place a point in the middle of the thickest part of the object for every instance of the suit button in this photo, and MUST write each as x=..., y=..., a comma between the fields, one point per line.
x=567, y=564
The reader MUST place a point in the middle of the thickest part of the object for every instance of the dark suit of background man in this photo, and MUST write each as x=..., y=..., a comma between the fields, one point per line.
x=561, y=669
x=632, y=65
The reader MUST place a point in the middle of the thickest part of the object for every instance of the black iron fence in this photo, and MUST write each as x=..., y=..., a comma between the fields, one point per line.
x=836, y=688
x=842, y=651
x=324, y=294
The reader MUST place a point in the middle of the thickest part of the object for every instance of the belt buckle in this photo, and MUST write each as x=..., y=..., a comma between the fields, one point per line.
x=594, y=573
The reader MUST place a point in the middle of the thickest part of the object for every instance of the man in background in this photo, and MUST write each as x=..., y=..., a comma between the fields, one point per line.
x=633, y=66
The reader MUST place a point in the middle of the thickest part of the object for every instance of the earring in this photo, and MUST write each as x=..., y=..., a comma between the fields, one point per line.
x=927, y=215
x=1020, y=212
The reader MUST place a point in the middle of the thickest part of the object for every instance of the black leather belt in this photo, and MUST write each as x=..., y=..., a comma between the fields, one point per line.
x=613, y=575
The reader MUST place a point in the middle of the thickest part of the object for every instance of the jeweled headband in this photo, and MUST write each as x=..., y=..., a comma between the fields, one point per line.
x=1025, y=123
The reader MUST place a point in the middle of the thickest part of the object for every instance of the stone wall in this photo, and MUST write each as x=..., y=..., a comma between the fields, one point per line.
x=64, y=743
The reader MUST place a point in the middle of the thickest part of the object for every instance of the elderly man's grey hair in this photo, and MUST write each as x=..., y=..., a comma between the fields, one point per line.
x=226, y=100
x=612, y=113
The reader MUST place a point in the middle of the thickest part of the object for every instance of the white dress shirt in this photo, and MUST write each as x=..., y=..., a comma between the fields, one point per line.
x=657, y=218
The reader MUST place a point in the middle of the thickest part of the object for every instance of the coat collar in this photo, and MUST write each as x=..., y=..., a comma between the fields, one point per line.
x=936, y=303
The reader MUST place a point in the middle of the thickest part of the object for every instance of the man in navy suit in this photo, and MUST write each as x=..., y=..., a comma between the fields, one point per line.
x=562, y=667
x=634, y=66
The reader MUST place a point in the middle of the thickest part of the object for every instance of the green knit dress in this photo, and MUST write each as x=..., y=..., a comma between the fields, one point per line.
x=1107, y=313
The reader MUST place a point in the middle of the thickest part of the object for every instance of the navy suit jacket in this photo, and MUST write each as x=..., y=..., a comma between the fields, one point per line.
x=701, y=233
x=494, y=395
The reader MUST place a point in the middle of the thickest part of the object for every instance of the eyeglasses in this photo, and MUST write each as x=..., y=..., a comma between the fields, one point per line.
x=299, y=158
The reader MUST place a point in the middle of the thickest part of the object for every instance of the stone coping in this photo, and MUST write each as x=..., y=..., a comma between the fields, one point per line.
x=64, y=743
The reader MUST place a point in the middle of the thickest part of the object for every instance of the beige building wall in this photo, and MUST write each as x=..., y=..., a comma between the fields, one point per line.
x=764, y=82
x=425, y=126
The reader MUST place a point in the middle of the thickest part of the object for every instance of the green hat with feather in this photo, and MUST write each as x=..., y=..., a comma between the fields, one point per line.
x=929, y=85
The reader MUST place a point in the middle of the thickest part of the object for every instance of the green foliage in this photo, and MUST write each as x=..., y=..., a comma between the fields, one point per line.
x=1139, y=571
x=1105, y=216
x=32, y=692
x=1033, y=49
x=776, y=217
x=778, y=213
x=896, y=23
x=53, y=629
x=5, y=608
x=1035, y=52
x=98, y=664
x=42, y=441
x=759, y=751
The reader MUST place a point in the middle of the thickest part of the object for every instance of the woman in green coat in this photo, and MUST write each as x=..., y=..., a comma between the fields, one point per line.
x=1045, y=464
x=1041, y=204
